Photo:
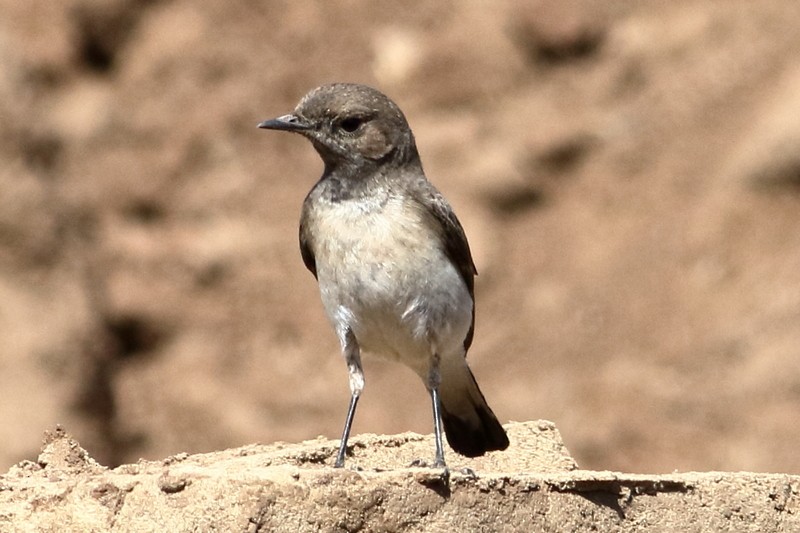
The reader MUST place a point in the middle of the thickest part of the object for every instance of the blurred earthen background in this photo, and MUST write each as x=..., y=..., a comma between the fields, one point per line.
x=628, y=174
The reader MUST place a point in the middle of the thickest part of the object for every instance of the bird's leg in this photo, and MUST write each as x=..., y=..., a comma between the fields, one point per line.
x=438, y=461
x=434, y=379
x=353, y=358
x=346, y=432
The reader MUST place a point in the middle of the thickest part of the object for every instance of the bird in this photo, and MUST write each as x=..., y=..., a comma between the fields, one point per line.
x=394, y=268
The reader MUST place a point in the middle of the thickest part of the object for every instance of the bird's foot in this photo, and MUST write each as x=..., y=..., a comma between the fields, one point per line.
x=436, y=465
x=468, y=473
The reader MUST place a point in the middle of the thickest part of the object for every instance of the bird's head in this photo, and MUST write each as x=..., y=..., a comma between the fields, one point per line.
x=350, y=125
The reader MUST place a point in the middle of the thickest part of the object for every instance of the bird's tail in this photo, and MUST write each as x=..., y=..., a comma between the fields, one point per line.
x=471, y=427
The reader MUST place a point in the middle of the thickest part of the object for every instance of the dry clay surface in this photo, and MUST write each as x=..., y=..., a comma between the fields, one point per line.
x=534, y=486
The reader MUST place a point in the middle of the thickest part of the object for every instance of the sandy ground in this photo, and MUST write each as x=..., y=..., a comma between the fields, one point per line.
x=535, y=486
x=627, y=173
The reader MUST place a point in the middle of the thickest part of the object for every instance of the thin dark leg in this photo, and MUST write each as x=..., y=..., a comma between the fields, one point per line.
x=353, y=358
x=438, y=461
x=348, y=423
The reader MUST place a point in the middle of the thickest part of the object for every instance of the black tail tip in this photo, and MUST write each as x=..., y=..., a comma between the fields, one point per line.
x=473, y=440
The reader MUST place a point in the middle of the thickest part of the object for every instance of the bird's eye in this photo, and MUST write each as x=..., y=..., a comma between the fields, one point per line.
x=351, y=124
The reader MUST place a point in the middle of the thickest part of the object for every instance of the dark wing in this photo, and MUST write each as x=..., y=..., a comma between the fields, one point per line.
x=456, y=248
x=305, y=249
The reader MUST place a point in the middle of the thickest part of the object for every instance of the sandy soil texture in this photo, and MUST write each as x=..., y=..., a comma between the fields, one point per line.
x=627, y=173
x=535, y=486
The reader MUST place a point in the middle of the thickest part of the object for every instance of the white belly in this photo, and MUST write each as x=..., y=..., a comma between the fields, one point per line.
x=383, y=275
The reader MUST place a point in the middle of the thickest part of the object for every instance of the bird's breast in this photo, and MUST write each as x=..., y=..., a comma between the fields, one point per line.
x=369, y=237
x=383, y=263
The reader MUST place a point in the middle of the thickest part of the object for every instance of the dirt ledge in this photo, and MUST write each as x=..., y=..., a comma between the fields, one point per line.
x=534, y=486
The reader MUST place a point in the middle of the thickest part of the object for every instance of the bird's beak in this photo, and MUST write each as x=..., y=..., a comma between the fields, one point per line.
x=285, y=123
